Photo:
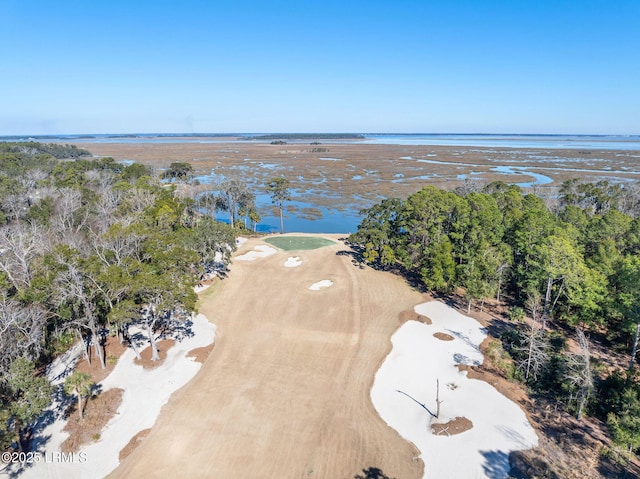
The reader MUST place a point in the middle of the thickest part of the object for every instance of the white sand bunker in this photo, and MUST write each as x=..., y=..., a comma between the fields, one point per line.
x=293, y=262
x=325, y=283
x=145, y=392
x=404, y=394
x=260, y=251
x=202, y=287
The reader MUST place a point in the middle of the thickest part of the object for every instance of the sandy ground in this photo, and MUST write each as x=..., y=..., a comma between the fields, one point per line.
x=424, y=355
x=290, y=388
x=145, y=392
x=293, y=262
x=260, y=251
x=286, y=392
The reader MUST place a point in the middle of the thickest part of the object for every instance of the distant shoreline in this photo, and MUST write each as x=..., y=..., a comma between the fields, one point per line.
x=493, y=140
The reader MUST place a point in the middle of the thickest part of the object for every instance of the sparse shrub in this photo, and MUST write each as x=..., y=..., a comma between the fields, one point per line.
x=502, y=360
x=516, y=313
x=96, y=436
x=558, y=341
x=617, y=455
x=619, y=405
x=511, y=340
x=63, y=342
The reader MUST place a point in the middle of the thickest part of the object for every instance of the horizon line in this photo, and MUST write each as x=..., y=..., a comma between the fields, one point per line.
x=309, y=133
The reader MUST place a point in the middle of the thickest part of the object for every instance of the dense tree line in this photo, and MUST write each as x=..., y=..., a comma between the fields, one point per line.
x=575, y=264
x=89, y=247
x=36, y=149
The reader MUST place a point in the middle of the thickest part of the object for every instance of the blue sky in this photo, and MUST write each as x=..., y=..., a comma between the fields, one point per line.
x=507, y=66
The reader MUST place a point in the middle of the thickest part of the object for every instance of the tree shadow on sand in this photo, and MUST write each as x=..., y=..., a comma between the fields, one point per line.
x=357, y=259
x=496, y=464
x=36, y=440
x=179, y=330
x=372, y=473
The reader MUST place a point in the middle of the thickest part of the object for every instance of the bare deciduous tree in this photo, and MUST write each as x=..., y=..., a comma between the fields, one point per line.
x=16, y=205
x=234, y=194
x=140, y=199
x=21, y=331
x=537, y=356
x=20, y=243
x=578, y=372
x=117, y=244
x=536, y=344
x=75, y=289
x=69, y=217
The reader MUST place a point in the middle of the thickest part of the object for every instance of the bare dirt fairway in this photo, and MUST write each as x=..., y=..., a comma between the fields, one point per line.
x=286, y=391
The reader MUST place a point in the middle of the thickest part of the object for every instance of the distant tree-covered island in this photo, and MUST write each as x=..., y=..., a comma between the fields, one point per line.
x=307, y=136
x=34, y=149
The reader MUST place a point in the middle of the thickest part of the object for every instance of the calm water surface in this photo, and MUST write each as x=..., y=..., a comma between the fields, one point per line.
x=345, y=220
x=595, y=142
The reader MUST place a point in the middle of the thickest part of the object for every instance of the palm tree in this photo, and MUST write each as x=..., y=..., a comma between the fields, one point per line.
x=280, y=193
x=80, y=384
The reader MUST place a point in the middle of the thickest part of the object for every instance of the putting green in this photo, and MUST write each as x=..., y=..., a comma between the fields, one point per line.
x=290, y=243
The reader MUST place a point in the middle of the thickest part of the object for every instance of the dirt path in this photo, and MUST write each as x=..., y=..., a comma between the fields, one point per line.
x=285, y=392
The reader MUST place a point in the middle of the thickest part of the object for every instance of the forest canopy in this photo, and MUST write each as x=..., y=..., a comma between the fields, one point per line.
x=89, y=247
x=573, y=262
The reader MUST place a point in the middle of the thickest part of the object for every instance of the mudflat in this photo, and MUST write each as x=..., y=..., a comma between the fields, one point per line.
x=356, y=175
x=286, y=390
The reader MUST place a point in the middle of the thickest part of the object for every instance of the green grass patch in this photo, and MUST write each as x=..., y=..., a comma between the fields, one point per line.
x=291, y=243
x=206, y=294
